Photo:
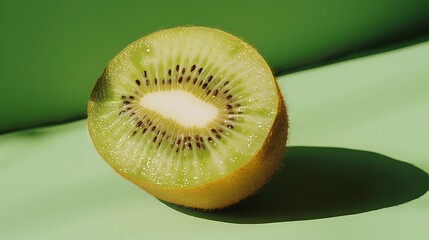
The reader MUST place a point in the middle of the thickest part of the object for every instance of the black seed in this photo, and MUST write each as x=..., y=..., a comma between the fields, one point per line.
x=163, y=81
x=230, y=126
x=154, y=138
x=156, y=81
x=193, y=68
x=150, y=124
x=163, y=134
x=132, y=113
x=228, y=106
x=177, y=68
x=218, y=136
x=215, y=92
x=169, y=81
x=139, y=124
x=210, y=78
x=209, y=91
x=195, y=80
x=190, y=146
x=220, y=130
x=147, y=121
x=237, y=105
x=188, y=79
x=144, y=74
x=123, y=97
x=226, y=83
x=178, y=142
x=180, y=79
x=200, y=70
x=153, y=128
x=126, y=102
x=231, y=113
x=147, y=82
x=177, y=150
x=144, y=130
x=134, y=133
x=213, y=130
x=201, y=139
x=231, y=118
x=169, y=72
x=210, y=139
x=138, y=82
x=198, y=145
x=226, y=92
x=204, y=146
x=205, y=85
x=121, y=112
x=240, y=112
x=159, y=144
x=129, y=108
x=228, y=97
x=183, y=70
x=131, y=97
x=197, y=137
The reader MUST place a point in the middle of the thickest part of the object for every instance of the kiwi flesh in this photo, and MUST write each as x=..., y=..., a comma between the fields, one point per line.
x=192, y=115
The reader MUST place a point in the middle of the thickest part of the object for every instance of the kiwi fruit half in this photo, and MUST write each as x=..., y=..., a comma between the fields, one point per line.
x=193, y=115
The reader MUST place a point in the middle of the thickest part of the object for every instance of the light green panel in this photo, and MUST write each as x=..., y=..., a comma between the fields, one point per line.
x=52, y=52
x=356, y=168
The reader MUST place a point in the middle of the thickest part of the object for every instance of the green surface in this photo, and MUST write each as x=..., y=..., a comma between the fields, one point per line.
x=52, y=52
x=356, y=169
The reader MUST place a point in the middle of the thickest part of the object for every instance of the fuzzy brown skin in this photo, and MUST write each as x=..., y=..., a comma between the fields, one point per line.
x=237, y=185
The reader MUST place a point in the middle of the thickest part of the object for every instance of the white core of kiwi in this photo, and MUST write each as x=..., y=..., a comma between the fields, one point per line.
x=181, y=106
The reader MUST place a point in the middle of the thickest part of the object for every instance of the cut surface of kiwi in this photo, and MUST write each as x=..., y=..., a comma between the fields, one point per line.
x=193, y=115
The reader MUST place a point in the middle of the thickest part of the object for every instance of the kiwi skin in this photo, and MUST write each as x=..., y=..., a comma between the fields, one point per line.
x=225, y=191
x=238, y=185
x=235, y=187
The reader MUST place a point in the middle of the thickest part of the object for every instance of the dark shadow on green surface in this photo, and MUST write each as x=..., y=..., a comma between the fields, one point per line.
x=34, y=129
x=377, y=47
x=322, y=182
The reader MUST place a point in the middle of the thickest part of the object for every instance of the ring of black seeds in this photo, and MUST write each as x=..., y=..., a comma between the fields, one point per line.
x=204, y=83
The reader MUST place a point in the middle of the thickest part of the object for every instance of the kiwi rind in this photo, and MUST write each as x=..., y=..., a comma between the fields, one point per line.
x=227, y=190
x=237, y=185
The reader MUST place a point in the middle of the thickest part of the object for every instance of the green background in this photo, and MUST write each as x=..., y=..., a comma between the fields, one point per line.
x=357, y=158
x=52, y=52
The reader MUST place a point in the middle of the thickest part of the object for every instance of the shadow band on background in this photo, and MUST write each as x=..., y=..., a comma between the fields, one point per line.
x=322, y=182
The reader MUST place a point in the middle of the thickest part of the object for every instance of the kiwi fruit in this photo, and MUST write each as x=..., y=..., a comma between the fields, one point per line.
x=192, y=115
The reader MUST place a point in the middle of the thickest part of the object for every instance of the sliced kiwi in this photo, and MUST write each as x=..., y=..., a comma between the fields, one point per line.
x=193, y=115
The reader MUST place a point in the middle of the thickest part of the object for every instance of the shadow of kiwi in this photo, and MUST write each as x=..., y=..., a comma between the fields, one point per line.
x=322, y=182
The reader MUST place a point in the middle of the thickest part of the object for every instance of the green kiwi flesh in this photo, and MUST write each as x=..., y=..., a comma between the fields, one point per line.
x=234, y=94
